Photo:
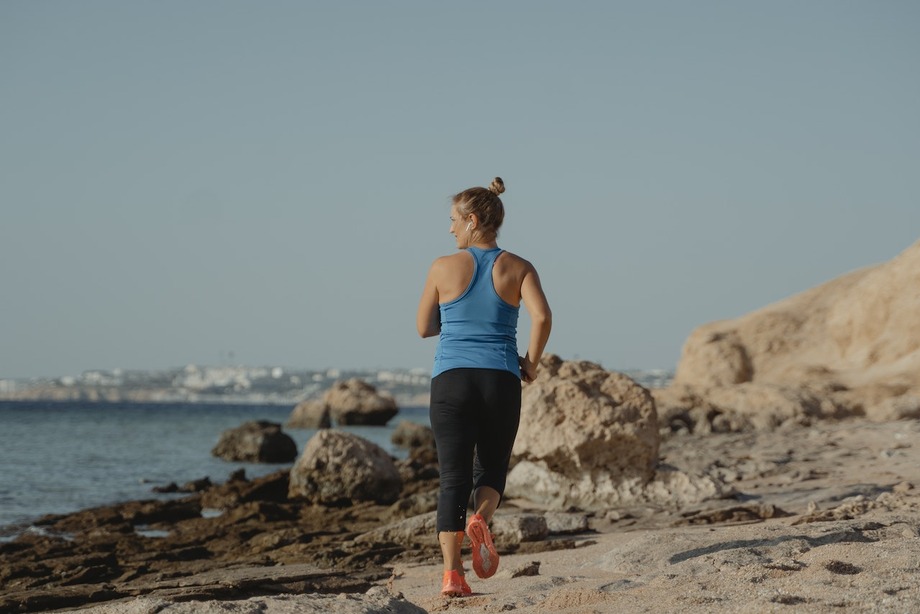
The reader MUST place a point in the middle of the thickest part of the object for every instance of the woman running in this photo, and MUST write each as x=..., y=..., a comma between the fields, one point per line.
x=471, y=300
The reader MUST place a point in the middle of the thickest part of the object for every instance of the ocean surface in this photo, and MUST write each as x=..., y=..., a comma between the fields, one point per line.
x=57, y=458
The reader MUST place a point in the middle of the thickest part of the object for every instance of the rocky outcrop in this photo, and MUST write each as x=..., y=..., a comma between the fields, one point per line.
x=842, y=348
x=588, y=434
x=418, y=439
x=256, y=442
x=348, y=402
x=339, y=468
x=312, y=414
x=354, y=401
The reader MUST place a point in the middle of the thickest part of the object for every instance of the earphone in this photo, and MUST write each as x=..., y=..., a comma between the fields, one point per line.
x=468, y=226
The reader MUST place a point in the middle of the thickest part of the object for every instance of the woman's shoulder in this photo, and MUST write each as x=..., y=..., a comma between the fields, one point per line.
x=451, y=261
x=513, y=260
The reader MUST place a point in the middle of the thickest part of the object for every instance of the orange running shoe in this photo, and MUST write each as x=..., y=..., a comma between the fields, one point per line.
x=485, y=557
x=454, y=585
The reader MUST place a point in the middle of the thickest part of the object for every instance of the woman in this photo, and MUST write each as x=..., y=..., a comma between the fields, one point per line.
x=471, y=299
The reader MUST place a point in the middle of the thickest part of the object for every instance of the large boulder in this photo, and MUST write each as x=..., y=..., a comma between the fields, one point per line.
x=347, y=402
x=311, y=414
x=851, y=342
x=339, y=468
x=256, y=442
x=859, y=329
x=588, y=438
x=354, y=401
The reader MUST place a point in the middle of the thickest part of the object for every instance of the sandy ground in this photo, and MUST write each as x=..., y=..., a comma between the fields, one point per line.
x=850, y=543
x=826, y=519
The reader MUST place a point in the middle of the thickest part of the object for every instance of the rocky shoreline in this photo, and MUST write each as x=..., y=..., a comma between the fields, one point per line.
x=804, y=502
x=231, y=541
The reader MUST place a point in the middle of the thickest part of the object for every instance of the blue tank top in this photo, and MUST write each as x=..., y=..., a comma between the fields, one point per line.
x=478, y=328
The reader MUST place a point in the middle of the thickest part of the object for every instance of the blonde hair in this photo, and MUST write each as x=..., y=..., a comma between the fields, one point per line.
x=485, y=203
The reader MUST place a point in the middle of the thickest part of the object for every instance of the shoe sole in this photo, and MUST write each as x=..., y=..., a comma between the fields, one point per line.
x=485, y=557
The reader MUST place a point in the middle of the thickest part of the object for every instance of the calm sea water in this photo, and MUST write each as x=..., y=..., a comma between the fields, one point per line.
x=61, y=457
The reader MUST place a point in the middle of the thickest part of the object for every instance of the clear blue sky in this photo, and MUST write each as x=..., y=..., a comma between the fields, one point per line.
x=179, y=180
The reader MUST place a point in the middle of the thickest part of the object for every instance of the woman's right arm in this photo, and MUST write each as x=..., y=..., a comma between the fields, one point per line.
x=428, y=319
x=541, y=322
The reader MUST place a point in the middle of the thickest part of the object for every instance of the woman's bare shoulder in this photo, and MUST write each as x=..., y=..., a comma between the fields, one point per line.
x=451, y=262
x=516, y=262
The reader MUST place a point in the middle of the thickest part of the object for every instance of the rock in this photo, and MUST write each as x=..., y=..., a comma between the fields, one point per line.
x=858, y=331
x=256, y=442
x=376, y=599
x=412, y=435
x=590, y=438
x=337, y=468
x=519, y=571
x=896, y=408
x=516, y=528
x=198, y=485
x=417, y=529
x=562, y=523
x=419, y=439
x=272, y=487
x=414, y=505
x=354, y=401
x=714, y=358
x=312, y=414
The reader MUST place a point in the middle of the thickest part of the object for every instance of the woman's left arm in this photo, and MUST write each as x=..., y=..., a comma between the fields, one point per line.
x=428, y=319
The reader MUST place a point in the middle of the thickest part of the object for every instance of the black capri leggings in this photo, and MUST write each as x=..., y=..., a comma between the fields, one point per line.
x=474, y=416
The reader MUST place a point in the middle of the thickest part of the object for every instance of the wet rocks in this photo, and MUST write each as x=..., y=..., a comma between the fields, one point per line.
x=419, y=439
x=312, y=414
x=339, y=468
x=348, y=402
x=354, y=401
x=256, y=442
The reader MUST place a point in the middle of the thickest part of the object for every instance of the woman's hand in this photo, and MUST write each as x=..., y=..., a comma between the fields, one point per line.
x=528, y=370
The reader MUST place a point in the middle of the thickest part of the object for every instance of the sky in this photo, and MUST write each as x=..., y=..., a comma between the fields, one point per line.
x=267, y=183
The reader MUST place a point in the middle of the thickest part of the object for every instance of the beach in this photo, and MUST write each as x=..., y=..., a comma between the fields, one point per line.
x=822, y=519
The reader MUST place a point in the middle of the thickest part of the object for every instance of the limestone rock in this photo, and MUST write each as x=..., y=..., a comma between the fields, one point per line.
x=419, y=439
x=848, y=347
x=896, y=408
x=338, y=467
x=417, y=529
x=589, y=437
x=354, y=401
x=256, y=442
x=412, y=435
x=517, y=528
x=858, y=330
x=562, y=523
x=312, y=414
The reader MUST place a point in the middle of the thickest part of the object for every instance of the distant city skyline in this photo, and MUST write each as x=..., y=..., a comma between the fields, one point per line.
x=179, y=181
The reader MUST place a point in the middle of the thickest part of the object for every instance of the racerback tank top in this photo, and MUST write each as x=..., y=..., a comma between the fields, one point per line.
x=478, y=328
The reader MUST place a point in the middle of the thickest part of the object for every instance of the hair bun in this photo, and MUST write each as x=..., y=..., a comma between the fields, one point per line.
x=497, y=186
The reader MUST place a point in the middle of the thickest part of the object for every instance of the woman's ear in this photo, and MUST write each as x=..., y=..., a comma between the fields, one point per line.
x=474, y=219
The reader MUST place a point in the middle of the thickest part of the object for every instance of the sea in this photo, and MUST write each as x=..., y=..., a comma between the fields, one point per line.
x=60, y=457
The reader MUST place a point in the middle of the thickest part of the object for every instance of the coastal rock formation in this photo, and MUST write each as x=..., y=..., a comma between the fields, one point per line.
x=348, y=402
x=590, y=437
x=412, y=435
x=354, y=401
x=845, y=347
x=256, y=442
x=339, y=468
x=312, y=414
x=419, y=439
